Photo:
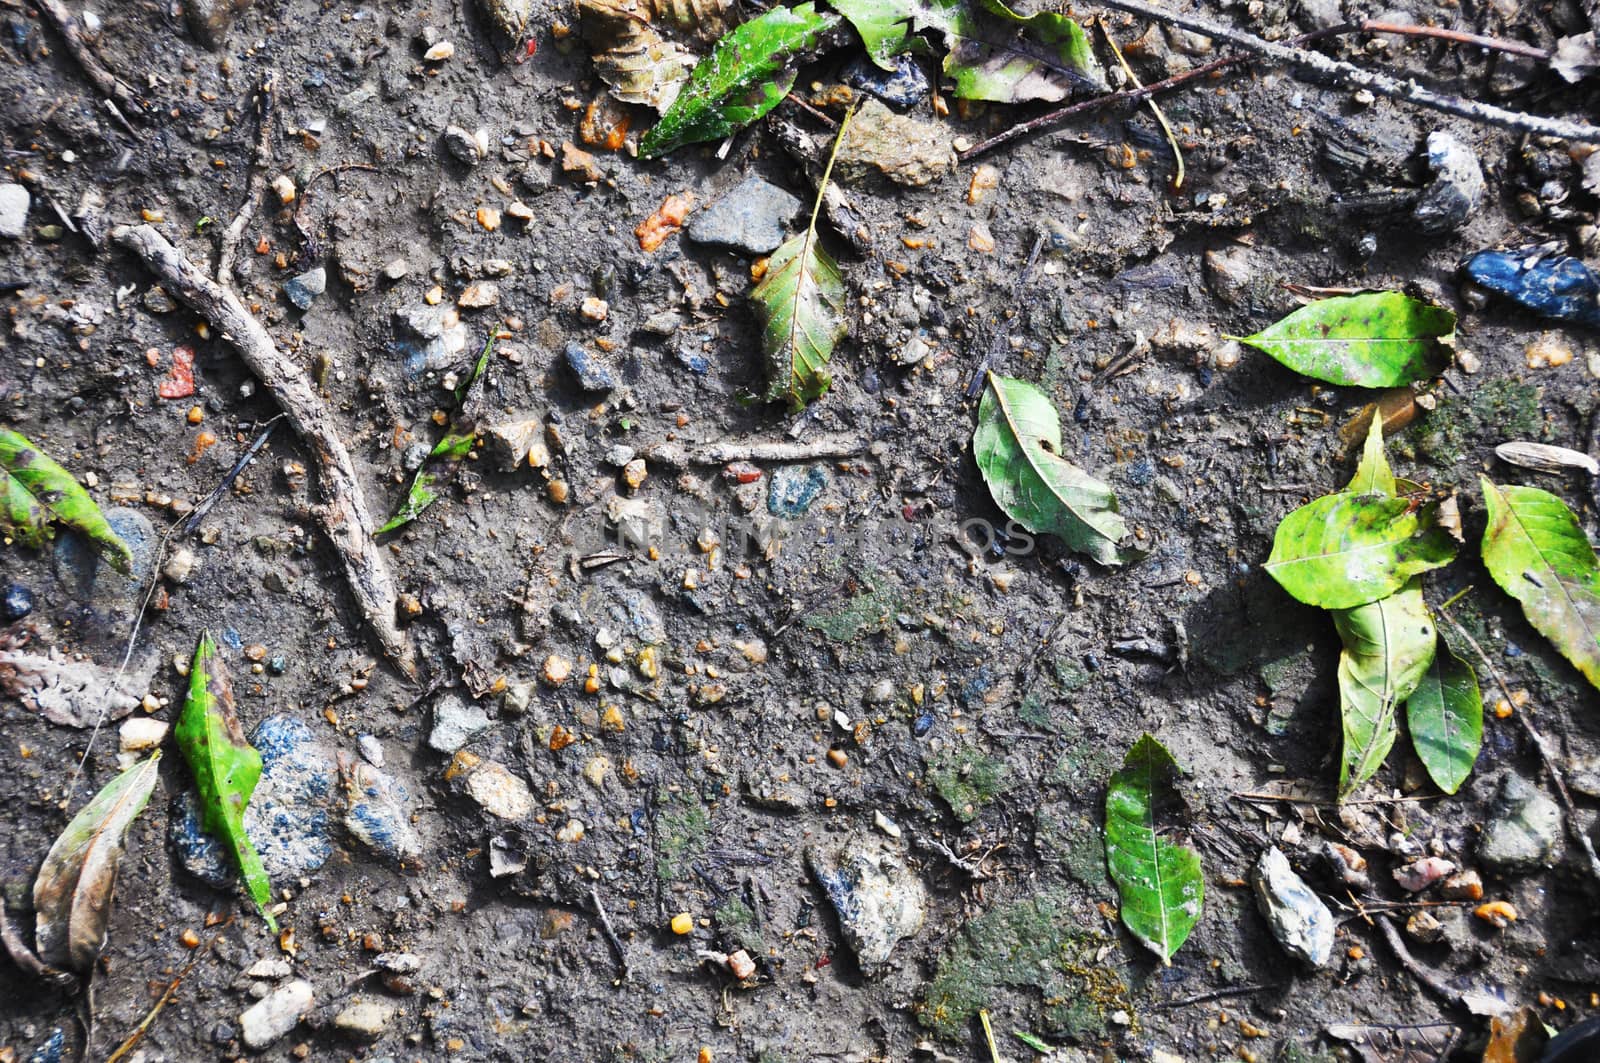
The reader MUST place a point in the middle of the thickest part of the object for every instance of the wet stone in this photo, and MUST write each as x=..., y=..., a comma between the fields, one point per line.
x=751, y=218
x=1553, y=286
x=879, y=900
x=428, y=337
x=1524, y=831
x=1457, y=186
x=793, y=488
x=378, y=813
x=904, y=86
x=1299, y=920
x=454, y=722
x=52, y=1049
x=287, y=817
x=14, y=201
x=275, y=1015
x=592, y=371
x=16, y=602
x=303, y=290
x=906, y=150
x=464, y=145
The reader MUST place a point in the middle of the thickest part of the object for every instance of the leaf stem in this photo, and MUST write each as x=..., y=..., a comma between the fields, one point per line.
x=827, y=173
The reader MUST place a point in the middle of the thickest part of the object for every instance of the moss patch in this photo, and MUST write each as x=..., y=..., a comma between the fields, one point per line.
x=1027, y=945
x=738, y=922
x=1499, y=409
x=872, y=610
x=681, y=829
x=967, y=779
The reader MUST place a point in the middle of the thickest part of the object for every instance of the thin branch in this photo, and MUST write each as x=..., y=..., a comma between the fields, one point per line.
x=677, y=457
x=123, y=100
x=344, y=515
x=610, y=932
x=1493, y=44
x=258, y=182
x=1216, y=994
x=1403, y=956
x=1155, y=108
x=133, y=1039
x=1574, y=826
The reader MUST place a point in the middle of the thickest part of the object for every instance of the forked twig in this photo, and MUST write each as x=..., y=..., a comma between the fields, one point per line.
x=257, y=185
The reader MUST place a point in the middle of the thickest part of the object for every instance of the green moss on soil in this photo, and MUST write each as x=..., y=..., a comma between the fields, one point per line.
x=872, y=610
x=1499, y=409
x=967, y=779
x=681, y=828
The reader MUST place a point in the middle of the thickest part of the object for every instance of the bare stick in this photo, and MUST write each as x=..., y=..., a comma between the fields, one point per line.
x=609, y=932
x=1333, y=70
x=718, y=453
x=1574, y=828
x=1493, y=44
x=133, y=1039
x=1216, y=994
x=1155, y=108
x=123, y=100
x=257, y=186
x=343, y=515
x=1403, y=955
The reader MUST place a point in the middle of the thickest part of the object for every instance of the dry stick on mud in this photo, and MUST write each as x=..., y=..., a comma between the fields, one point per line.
x=258, y=182
x=1575, y=828
x=718, y=453
x=343, y=515
x=122, y=100
x=1403, y=956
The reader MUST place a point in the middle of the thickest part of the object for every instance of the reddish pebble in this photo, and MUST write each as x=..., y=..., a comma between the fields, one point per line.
x=180, y=379
x=742, y=472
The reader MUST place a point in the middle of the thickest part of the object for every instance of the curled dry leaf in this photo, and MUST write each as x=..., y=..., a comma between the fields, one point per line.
x=72, y=893
x=1542, y=457
x=645, y=49
x=70, y=691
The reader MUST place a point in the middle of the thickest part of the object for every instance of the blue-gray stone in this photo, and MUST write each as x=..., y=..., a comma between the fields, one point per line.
x=904, y=86
x=751, y=218
x=880, y=901
x=16, y=602
x=303, y=290
x=286, y=819
x=793, y=489
x=428, y=337
x=51, y=1049
x=591, y=370
x=1551, y=285
x=640, y=616
x=454, y=722
x=378, y=815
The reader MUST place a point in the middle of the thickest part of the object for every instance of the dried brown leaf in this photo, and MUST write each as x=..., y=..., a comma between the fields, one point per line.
x=71, y=691
x=645, y=49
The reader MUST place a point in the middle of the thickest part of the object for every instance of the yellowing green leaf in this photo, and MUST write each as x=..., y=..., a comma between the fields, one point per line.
x=1159, y=883
x=1388, y=646
x=1373, y=475
x=1374, y=340
x=37, y=491
x=226, y=767
x=72, y=893
x=1535, y=549
x=1017, y=445
x=746, y=75
x=1445, y=717
x=1344, y=550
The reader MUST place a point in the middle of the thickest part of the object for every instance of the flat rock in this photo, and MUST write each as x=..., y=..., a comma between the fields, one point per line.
x=378, y=812
x=879, y=900
x=908, y=151
x=1523, y=832
x=287, y=817
x=454, y=722
x=751, y=218
x=1299, y=920
x=499, y=792
x=592, y=371
x=14, y=200
x=428, y=337
x=275, y=1014
x=904, y=86
x=365, y=1020
x=302, y=290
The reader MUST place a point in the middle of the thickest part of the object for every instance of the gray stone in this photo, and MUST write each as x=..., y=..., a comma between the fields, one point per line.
x=751, y=218
x=1457, y=186
x=355, y=98
x=454, y=722
x=464, y=145
x=879, y=900
x=793, y=488
x=157, y=301
x=499, y=792
x=287, y=816
x=365, y=1020
x=428, y=337
x=303, y=290
x=396, y=269
x=1299, y=920
x=904, y=86
x=1524, y=830
x=906, y=150
x=1228, y=274
x=377, y=812
x=275, y=1015
x=592, y=371
x=638, y=616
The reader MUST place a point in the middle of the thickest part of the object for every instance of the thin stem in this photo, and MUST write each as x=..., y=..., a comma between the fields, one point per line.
x=1494, y=44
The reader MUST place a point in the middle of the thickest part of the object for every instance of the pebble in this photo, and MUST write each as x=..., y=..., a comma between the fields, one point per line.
x=793, y=488
x=209, y=19
x=180, y=566
x=469, y=147
x=498, y=792
x=1298, y=919
x=752, y=218
x=377, y=812
x=1548, y=350
x=1228, y=274
x=283, y=185
x=591, y=370
x=908, y=151
x=594, y=309
x=14, y=200
x=1465, y=886
x=506, y=858
x=303, y=290
x=396, y=269
x=272, y=969
x=572, y=832
x=481, y=294
x=16, y=602
x=904, y=85
x=428, y=337
x=139, y=733
x=439, y=52
x=879, y=900
x=1457, y=186
x=682, y=923
x=1423, y=926
x=275, y=1015
x=1420, y=874
x=885, y=824
x=557, y=669
x=51, y=1050
x=741, y=966
x=365, y=1020
x=1553, y=286
x=985, y=179
x=287, y=817
x=371, y=750
x=634, y=473
x=454, y=722
x=1524, y=830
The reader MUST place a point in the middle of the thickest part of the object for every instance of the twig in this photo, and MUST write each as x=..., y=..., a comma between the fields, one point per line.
x=1493, y=44
x=821, y=116
x=1216, y=994
x=719, y=453
x=1155, y=108
x=1574, y=827
x=1334, y=70
x=343, y=515
x=192, y=521
x=140, y=1030
x=609, y=932
x=258, y=181
x=1403, y=956
x=112, y=87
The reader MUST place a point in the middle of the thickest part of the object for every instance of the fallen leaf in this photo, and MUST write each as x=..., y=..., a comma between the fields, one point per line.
x=1344, y=550
x=1514, y=1038
x=226, y=767
x=1537, y=552
x=70, y=691
x=1373, y=474
x=37, y=491
x=1445, y=717
x=747, y=74
x=1388, y=646
x=644, y=49
x=1373, y=340
x=1159, y=883
x=1017, y=445
x=72, y=893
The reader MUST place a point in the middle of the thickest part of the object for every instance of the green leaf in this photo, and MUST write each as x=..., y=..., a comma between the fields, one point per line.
x=1445, y=717
x=38, y=490
x=994, y=53
x=226, y=767
x=1536, y=550
x=1017, y=445
x=1388, y=646
x=1376, y=340
x=418, y=498
x=1373, y=475
x=72, y=893
x=1344, y=550
x=1034, y=1042
x=1159, y=883
x=747, y=74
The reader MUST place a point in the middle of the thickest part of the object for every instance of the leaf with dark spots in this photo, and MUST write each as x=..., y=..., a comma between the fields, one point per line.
x=38, y=491
x=1344, y=550
x=1372, y=340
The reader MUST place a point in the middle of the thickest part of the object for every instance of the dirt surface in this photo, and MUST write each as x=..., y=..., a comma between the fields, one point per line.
x=768, y=689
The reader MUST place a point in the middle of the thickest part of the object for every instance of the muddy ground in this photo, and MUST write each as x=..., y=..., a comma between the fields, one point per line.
x=977, y=699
